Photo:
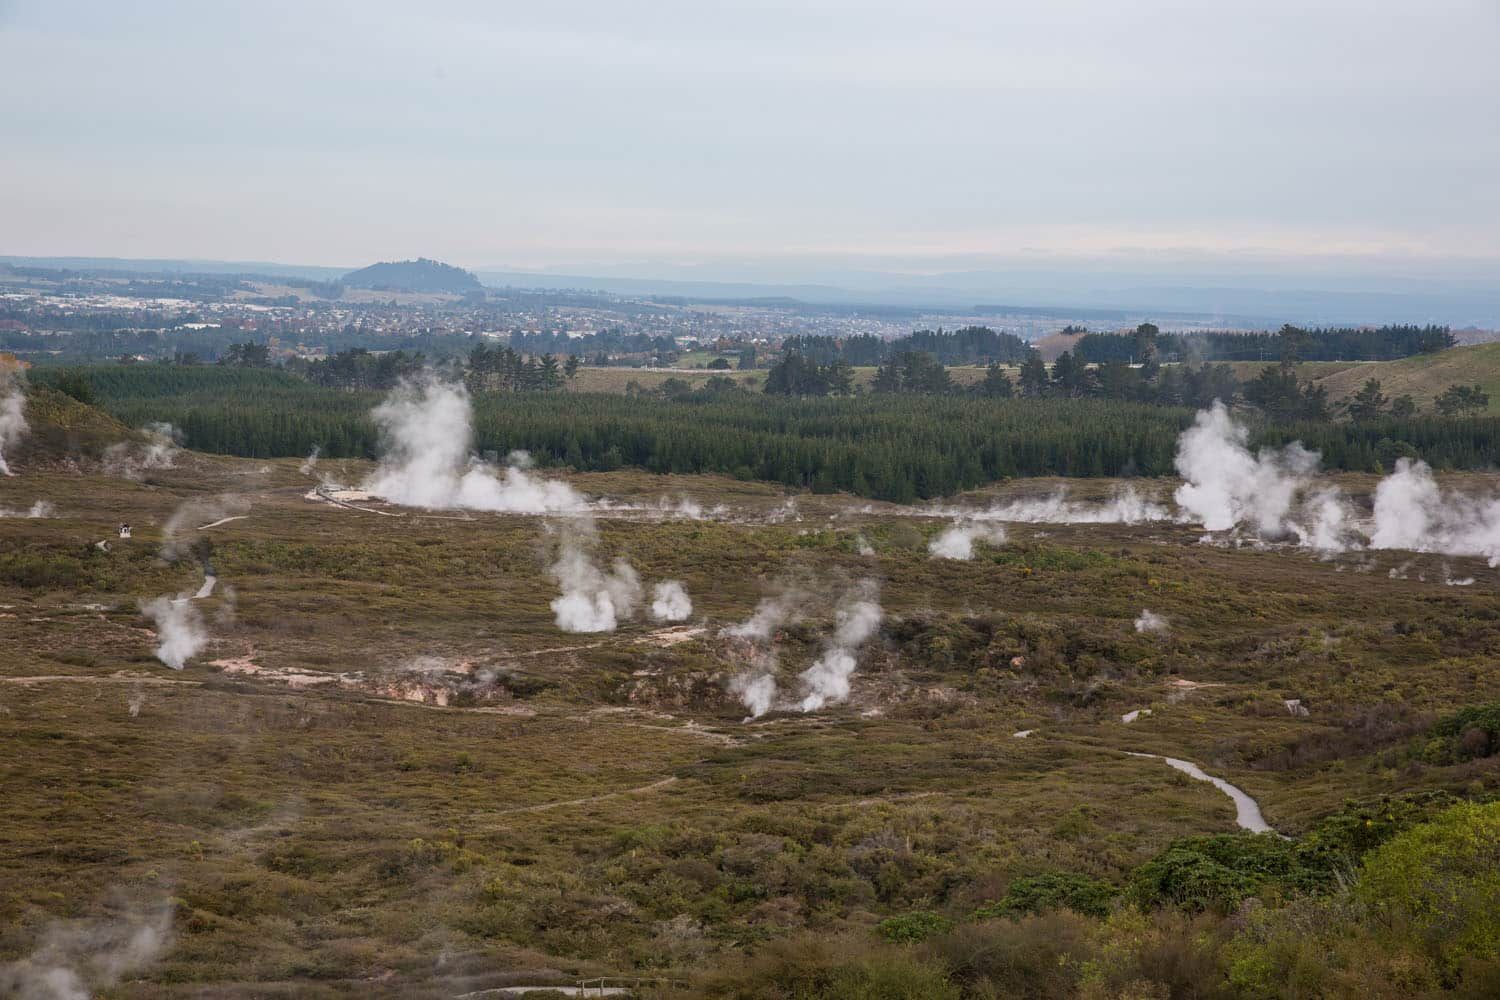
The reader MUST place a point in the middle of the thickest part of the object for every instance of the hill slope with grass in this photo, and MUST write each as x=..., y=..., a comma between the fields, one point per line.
x=1423, y=376
x=59, y=426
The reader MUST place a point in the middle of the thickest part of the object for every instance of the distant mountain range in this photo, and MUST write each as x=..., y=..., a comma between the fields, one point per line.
x=420, y=275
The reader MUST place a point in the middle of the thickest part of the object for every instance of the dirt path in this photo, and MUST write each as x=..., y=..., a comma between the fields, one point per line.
x=587, y=799
x=96, y=679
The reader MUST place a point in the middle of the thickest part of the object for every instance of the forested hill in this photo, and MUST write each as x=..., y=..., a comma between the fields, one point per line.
x=887, y=446
x=420, y=275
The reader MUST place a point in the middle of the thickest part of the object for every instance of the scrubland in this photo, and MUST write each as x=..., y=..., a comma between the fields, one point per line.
x=316, y=822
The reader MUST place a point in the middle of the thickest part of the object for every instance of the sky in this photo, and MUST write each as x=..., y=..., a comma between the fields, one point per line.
x=794, y=138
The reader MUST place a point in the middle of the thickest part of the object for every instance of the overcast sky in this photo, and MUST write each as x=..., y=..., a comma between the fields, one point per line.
x=589, y=134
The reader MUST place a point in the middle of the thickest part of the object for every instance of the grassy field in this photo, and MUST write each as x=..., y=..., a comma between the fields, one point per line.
x=597, y=804
x=1424, y=376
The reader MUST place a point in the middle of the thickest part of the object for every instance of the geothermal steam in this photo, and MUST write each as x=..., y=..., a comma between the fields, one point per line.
x=75, y=959
x=1126, y=506
x=1411, y=512
x=428, y=433
x=1149, y=621
x=826, y=682
x=857, y=618
x=179, y=627
x=12, y=417
x=670, y=602
x=592, y=599
x=957, y=541
x=756, y=685
x=157, y=450
x=1227, y=485
x=756, y=689
x=42, y=508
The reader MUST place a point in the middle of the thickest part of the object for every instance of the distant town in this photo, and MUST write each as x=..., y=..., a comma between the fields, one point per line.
x=64, y=315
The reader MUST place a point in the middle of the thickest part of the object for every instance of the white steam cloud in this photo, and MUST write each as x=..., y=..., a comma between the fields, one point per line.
x=427, y=462
x=756, y=686
x=42, y=508
x=179, y=627
x=957, y=541
x=1276, y=493
x=769, y=615
x=1149, y=621
x=1329, y=528
x=1412, y=512
x=756, y=689
x=857, y=619
x=592, y=599
x=1126, y=506
x=157, y=450
x=670, y=602
x=1227, y=485
x=310, y=462
x=13, y=425
x=75, y=959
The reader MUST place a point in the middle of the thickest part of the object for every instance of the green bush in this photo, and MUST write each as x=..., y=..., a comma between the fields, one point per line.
x=1470, y=733
x=1335, y=847
x=1052, y=891
x=1442, y=880
x=909, y=928
x=1218, y=872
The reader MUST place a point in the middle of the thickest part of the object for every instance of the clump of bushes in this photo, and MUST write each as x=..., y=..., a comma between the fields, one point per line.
x=1052, y=891
x=1468, y=734
x=909, y=928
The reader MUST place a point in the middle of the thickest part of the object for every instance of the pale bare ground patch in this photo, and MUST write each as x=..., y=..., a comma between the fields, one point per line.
x=118, y=677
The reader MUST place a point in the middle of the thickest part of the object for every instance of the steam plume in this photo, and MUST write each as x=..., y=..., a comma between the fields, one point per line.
x=12, y=417
x=670, y=602
x=179, y=626
x=158, y=451
x=957, y=541
x=756, y=689
x=310, y=462
x=592, y=600
x=1150, y=621
x=1227, y=485
x=1330, y=528
x=769, y=615
x=827, y=680
x=1411, y=512
x=77, y=958
x=42, y=508
x=1126, y=506
x=756, y=686
x=428, y=432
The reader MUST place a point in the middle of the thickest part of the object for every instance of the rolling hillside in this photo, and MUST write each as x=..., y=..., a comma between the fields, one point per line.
x=1423, y=376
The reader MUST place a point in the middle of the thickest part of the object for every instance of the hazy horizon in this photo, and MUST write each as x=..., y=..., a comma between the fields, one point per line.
x=781, y=142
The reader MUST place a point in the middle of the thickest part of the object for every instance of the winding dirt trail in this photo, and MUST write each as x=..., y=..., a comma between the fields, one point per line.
x=587, y=799
x=96, y=679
